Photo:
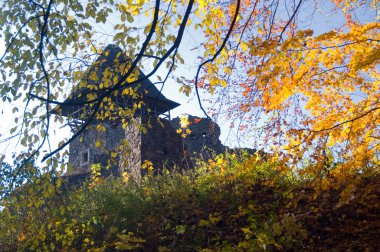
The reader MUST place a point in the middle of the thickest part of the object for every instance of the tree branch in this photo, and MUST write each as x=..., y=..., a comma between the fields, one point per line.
x=290, y=20
x=215, y=55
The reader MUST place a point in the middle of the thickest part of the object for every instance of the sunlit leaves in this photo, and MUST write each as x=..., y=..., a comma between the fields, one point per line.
x=318, y=90
x=304, y=91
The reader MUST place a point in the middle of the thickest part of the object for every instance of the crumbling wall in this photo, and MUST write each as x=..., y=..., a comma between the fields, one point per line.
x=203, y=141
x=159, y=143
x=162, y=145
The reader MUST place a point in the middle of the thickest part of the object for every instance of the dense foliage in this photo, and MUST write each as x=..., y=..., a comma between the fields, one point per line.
x=230, y=203
x=309, y=97
x=300, y=93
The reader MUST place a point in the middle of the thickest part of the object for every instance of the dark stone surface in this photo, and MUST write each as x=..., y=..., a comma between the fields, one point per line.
x=162, y=145
x=203, y=141
x=72, y=181
x=158, y=144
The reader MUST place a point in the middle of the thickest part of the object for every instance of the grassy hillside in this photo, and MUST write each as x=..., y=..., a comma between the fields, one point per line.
x=230, y=203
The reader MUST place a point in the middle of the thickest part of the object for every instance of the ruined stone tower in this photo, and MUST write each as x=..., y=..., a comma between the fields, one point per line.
x=159, y=144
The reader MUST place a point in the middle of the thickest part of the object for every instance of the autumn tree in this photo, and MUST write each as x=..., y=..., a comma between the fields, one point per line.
x=308, y=97
x=255, y=59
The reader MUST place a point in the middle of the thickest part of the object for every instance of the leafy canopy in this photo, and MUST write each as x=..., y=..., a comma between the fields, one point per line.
x=266, y=72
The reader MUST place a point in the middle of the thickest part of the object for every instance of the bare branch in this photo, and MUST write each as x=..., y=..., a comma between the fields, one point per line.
x=215, y=55
x=290, y=20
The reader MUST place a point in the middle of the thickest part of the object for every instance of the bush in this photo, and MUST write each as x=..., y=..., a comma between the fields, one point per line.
x=229, y=203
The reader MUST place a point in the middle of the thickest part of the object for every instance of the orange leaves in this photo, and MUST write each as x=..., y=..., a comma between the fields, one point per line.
x=306, y=84
x=311, y=91
x=247, y=89
x=246, y=107
x=197, y=120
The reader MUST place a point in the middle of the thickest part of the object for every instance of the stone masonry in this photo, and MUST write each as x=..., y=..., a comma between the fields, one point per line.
x=147, y=138
x=84, y=153
x=203, y=141
x=158, y=143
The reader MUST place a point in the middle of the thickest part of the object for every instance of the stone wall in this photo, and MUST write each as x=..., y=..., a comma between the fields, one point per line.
x=203, y=141
x=162, y=145
x=157, y=143
x=130, y=155
x=86, y=143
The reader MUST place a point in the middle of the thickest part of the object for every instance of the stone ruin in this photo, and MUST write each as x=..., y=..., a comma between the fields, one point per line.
x=203, y=140
x=159, y=143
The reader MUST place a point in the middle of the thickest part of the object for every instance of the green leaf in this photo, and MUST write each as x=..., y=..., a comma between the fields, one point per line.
x=130, y=18
x=180, y=229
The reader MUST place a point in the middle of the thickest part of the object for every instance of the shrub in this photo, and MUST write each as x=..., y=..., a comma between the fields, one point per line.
x=229, y=203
